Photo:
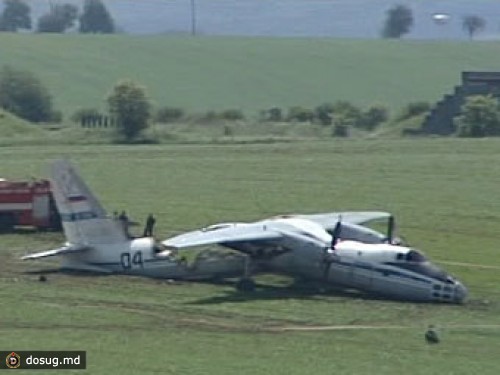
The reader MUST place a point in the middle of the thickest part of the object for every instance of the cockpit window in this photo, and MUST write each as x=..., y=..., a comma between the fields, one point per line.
x=415, y=257
x=416, y=262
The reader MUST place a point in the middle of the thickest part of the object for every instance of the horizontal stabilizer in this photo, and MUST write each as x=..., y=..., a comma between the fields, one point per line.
x=54, y=252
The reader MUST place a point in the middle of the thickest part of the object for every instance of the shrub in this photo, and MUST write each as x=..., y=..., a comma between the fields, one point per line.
x=480, y=117
x=166, y=115
x=209, y=116
x=348, y=111
x=374, y=116
x=413, y=109
x=340, y=130
x=324, y=113
x=274, y=114
x=300, y=114
x=213, y=116
x=24, y=95
x=232, y=115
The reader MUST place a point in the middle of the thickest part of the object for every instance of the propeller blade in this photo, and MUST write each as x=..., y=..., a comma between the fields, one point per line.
x=336, y=234
x=390, y=229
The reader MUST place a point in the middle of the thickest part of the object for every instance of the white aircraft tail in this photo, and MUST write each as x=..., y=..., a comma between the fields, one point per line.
x=84, y=220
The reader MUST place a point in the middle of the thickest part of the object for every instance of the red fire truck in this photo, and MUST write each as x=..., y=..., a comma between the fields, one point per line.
x=27, y=203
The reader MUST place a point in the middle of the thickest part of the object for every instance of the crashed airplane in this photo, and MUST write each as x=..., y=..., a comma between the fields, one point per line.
x=334, y=249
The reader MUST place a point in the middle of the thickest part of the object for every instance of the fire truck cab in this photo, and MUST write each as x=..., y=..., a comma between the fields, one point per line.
x=27, y=203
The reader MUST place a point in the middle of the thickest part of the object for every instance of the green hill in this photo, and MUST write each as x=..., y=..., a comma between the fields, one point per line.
x=248, y=73
x=13, y=128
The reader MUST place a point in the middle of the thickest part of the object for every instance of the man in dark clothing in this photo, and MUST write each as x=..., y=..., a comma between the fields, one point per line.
x=150, y=223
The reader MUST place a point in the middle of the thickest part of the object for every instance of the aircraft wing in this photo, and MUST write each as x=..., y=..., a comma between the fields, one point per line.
x=224, y=234
x=54, y=252
x=329, y=220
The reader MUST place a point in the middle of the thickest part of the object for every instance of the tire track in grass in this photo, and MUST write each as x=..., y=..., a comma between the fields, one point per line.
x=378, y=327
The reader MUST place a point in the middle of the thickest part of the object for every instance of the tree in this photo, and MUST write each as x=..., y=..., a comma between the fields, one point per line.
x=324, y=113
x=15, y=15
x=131, y=108
x=472, y=24
x=96, y=18
x=60, y=18
x=374, y=116
x=273, y=114
x=346, y=113
x=399, y=22
x=413, y=109
x=22, y=94
x=300, y=114
x=480, y=117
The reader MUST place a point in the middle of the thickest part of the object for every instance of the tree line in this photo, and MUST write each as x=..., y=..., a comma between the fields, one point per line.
x=130, y=110
x=93, y=18
x=399, y=21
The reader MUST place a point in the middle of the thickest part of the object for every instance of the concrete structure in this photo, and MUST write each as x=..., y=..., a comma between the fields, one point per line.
x=440, y=119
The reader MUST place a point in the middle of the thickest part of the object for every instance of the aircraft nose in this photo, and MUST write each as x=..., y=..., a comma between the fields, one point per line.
x=460, y=292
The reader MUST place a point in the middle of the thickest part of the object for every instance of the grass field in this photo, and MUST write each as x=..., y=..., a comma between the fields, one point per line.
x=443, y=193
x=217, y=73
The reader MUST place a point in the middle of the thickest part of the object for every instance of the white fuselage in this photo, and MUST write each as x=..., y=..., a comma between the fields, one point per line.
x=144, y=257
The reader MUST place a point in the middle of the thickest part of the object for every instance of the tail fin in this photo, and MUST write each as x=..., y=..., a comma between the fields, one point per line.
x=83, y=218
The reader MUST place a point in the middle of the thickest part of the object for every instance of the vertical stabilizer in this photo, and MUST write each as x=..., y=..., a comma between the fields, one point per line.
x=83, y=218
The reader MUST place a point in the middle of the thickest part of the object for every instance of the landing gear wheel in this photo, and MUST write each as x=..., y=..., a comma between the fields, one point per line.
x=245, y=285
